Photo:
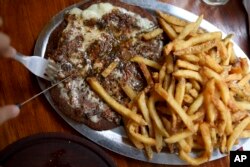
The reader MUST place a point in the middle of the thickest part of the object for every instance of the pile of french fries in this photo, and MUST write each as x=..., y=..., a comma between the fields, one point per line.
x=196, y=101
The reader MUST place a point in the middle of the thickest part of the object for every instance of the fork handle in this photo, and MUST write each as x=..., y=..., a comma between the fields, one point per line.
x=21, y=58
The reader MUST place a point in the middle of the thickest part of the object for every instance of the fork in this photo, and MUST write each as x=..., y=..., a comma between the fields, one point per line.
x=39, y=66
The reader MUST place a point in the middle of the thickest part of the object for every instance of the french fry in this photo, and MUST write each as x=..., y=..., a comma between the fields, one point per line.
x=245, y=134
x=229, y=125
x=128, y=91
x=193, y=92
x=178, y=29
x=155, y=117
x=171, y=88
x=222, y=50
x=244, y=65
x=166, y=82
x=223, y=114
x=233, y=57
x=169, y=64
x=205, y=134
x=167, y=29
x=244, y=80
x=223, y=145
x=197, y=24
x=224, y=91
x=166, y=123
x=152, y=34
x=95, y=85
x=227, y=39
x=162, y=73
x=196, y=104
x=159, y=140
x=213, y=136
x=168, y=48
x=196, y=40
x=177, y=108
x=193, y=161
x=211, y=74
x=145, y=112
x=180, y=91
x=148, y=62
x=211, y=63
x=190, y=58
x=109, y=69
x=236, y=132
x=189, y=28
x=188, y=99
x=243, y=105
x=239, y=115
x=171, y=19
x=199, y=115
x=180, y=135
x=174, y=120
x=188, y=87
x=137, y=144
x=142, y=138
x=187, y=65
x=188, y=74
x=146, y=74
x=155, y=76
x=195, y=85
x=203, y=47
x=229, y=53
x=189, y=140
x=148, y=148
x=209, y=106
x=225, y=71
x=184, y=145
x=233, y=77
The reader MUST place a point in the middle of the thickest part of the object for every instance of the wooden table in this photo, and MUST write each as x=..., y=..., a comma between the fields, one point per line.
x=24, y=20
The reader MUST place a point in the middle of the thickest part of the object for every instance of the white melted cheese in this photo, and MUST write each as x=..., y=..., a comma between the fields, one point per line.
x=75, y=11
x=96, y=11
x=77, y=28
x=75, y=85
x=94, y=118
x=117, y=74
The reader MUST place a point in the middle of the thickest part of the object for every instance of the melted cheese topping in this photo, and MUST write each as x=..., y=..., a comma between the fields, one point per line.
x=75, y=28
x=96, y=11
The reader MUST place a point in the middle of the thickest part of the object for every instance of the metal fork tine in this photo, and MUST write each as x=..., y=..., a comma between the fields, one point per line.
x=53, y=63
x=39, y=66
x=53, y=66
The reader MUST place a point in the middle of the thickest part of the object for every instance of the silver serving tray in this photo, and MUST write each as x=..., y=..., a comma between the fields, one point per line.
x=116, y=139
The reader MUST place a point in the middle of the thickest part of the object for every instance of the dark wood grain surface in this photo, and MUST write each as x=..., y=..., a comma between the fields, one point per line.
x=24, y=20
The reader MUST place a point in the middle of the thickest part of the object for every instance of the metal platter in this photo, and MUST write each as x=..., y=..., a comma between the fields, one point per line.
x=116, y=139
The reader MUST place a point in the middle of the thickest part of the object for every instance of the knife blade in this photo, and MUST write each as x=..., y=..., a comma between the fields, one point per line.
x=45, y=90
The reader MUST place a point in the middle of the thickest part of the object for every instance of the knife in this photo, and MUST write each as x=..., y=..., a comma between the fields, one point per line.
x=45, y=90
